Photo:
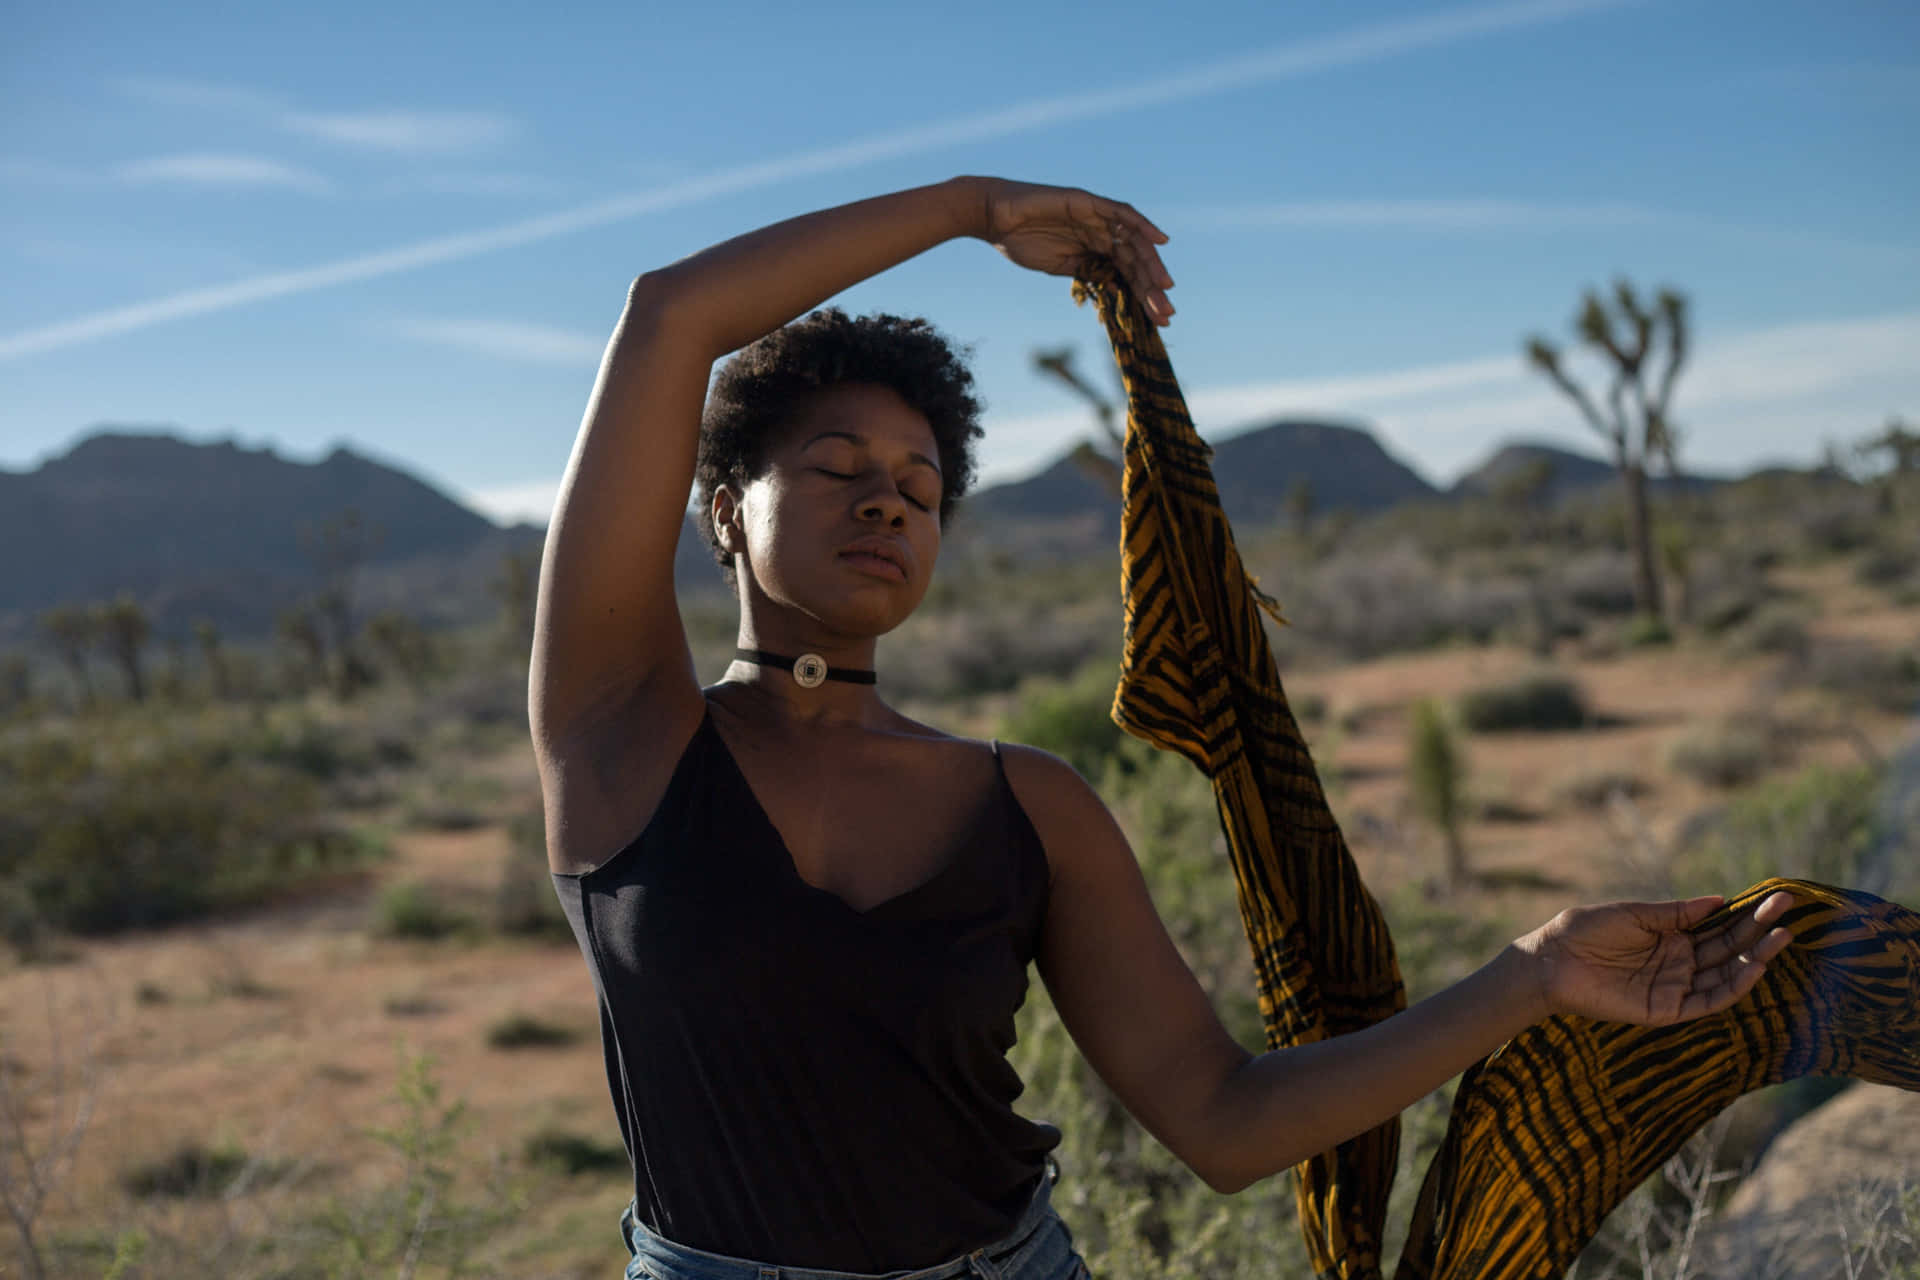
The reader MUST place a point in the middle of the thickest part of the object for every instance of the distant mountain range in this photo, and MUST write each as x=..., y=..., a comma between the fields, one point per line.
x=227, y=532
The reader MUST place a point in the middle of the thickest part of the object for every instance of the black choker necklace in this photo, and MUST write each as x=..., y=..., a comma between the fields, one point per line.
x=809, y=669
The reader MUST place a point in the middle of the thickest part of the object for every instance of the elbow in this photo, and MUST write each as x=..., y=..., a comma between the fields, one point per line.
x=1226, y=1177
x=1224, y=1183
x=651, y=293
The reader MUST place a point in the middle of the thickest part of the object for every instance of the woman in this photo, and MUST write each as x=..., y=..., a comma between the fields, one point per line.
x=808, y=917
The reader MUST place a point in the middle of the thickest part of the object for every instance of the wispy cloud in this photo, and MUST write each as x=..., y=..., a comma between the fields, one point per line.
x=1439, y=215
x=507, y=340
x=200, y=169
x=484, y=185
x=406, y=132
x=1366, y=44
x=220, y=169
x=400, y=131
x=164, y=91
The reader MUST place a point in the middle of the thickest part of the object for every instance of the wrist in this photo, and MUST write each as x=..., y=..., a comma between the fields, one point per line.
x=1526, y=978
x=969, y=196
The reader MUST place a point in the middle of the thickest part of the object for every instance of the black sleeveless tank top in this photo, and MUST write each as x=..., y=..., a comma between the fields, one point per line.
x=796, y=1081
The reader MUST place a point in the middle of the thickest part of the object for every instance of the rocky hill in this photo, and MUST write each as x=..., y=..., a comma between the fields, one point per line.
x=1567, y=473
x=230, y=533
x=1342, y=467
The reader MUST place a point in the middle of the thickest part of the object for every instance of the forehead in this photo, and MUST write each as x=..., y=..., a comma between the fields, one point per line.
x=876, y=414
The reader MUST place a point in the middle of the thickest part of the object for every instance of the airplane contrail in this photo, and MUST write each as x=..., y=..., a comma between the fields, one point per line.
x=1365, y=44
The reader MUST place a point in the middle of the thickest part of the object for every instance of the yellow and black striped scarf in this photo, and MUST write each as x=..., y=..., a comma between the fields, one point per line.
x=1553, y=1129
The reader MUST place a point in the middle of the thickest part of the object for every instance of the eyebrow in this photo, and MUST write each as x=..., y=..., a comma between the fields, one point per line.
x=863, y=442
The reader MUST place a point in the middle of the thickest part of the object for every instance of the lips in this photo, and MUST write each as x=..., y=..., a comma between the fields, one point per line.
x=878, y=556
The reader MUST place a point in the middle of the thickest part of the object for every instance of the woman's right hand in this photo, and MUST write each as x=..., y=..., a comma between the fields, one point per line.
x=1058, y=229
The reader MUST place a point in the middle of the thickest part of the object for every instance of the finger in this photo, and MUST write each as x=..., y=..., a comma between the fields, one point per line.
x=1142, y=238
x=1722, y=985
x=1132, y=257
x=1145, y=226
x=1759, y=949
x=1743, y=930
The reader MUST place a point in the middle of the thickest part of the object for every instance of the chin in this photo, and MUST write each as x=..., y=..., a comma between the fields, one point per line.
x=865, y=618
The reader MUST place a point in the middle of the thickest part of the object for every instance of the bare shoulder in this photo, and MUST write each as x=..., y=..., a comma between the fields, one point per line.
x=1040, y=777
x=1072, y=820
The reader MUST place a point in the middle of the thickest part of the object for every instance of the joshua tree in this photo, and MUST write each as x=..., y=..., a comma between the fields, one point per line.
x=1901, y=447
x=339, y=548
x=123, y=627
x=299, y=630
x=1635, y=424
x=73, y=632
x=1437, y=773
x=1103, y=467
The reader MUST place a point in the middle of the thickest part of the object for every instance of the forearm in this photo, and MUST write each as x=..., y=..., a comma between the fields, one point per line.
x=1282, y=1107
x=734, y=292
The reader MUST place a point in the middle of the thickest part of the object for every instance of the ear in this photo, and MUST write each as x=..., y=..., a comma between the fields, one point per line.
x=726, y=520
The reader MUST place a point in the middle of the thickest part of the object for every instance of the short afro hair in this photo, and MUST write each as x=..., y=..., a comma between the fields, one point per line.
x=758, y=390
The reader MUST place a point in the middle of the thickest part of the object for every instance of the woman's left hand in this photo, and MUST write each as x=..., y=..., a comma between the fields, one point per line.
x=1637, y=962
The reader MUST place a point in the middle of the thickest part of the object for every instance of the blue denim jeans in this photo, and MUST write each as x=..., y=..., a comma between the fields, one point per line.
x=1038, y=1248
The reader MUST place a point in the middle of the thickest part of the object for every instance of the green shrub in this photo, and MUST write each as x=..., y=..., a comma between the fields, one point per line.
x=1855, y=669
x=1436, y=774
x=573, y=1154
x=1848, y=826
x=420, y=1222
x=1544, y=701
x=189, y=1171
x=1073, y=718
x=1730, y=753
x=1887, y=566
x=1728, y=607
x=524, y=1031
x=1774, y=629
x=408, y=910
x=1646, y=632
x=141, y=824
x=412, y=1005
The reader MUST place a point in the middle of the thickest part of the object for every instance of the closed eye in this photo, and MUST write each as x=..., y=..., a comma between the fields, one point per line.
x=852, y=475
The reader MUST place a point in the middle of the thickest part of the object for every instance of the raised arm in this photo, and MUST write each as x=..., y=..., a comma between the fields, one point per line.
x=607, y=630
x=607, y=633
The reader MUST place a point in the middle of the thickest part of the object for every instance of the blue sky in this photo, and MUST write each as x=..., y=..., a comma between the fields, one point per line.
x=410, y=227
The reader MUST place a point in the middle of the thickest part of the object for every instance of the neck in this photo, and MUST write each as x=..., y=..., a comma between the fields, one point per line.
x=776, y=692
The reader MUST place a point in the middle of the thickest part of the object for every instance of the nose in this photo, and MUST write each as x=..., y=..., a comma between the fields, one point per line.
x=884, y=503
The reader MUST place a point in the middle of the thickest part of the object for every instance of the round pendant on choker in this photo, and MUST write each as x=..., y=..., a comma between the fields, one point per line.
x=810, y=670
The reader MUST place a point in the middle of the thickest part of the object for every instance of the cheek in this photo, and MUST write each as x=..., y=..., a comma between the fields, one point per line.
x=771, y=512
